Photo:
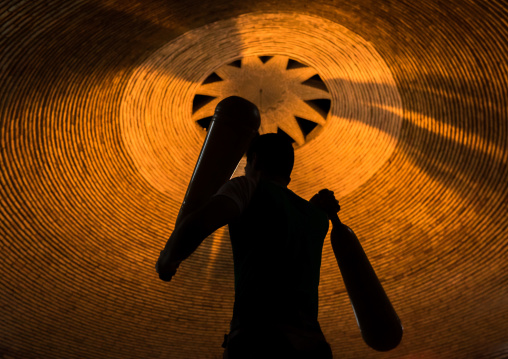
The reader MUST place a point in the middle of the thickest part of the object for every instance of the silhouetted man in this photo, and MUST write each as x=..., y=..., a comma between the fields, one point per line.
x=277, y=239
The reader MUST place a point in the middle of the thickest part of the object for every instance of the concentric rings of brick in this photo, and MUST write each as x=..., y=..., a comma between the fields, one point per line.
x=292, y=98
x=361, y=130
x=85, y=208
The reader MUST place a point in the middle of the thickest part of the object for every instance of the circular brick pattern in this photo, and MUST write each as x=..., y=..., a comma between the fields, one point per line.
x=360, y=126
x=87, y=202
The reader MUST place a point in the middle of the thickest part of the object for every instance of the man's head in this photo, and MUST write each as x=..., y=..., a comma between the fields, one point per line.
x=272, y=155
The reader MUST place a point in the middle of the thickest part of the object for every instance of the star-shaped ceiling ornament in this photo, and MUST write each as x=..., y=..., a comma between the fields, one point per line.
x=291, y=96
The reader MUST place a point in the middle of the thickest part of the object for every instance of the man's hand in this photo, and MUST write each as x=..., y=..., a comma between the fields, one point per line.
x=193, y=229
x=325, y=200
x=164, y=267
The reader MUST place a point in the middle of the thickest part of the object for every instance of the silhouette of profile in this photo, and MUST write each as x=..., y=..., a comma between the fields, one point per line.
x=277, y=239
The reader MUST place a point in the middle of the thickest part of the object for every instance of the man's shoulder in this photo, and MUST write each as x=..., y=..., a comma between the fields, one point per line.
x=243, y=181
x=297, y=198
x=309, y=208
x=239, y=189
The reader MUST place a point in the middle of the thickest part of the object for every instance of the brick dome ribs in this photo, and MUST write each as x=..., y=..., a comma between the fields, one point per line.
x=399, y=108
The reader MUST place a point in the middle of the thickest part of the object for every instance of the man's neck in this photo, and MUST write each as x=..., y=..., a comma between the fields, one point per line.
x=257, y=176
x=279, y=180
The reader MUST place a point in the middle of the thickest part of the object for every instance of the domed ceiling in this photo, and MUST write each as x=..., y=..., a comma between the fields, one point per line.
x=399, y=107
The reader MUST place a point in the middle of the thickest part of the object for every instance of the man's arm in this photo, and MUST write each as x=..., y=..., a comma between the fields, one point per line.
x=193, y=229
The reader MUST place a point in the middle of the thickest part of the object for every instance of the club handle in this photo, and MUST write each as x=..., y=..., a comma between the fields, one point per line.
x=379, y=324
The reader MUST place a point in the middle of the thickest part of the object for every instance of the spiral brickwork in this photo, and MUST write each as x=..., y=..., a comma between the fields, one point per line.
x=98, y=144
